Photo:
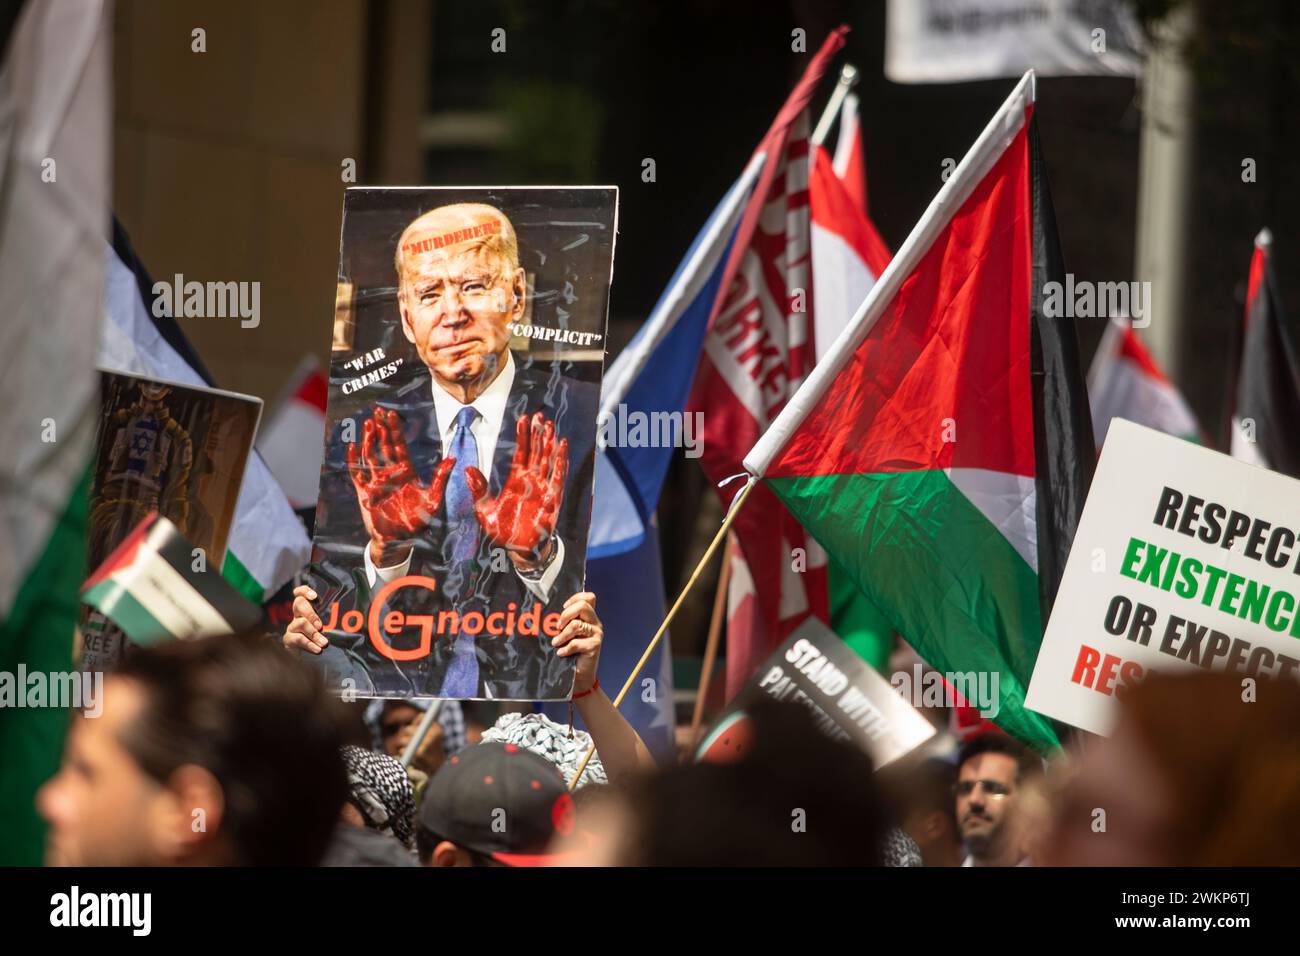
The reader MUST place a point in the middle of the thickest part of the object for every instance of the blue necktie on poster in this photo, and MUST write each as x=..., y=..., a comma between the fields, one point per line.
x=461, y=679
x=460, y=503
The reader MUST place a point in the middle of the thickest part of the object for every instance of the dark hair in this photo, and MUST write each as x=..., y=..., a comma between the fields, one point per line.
x=924, y=786
x=426, y=841
x=262, y=723
x=746, y=813
x=1028, y=763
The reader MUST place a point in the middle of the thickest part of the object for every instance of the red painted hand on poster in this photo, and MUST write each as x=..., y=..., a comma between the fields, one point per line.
x=522, y=517
x=395, y=505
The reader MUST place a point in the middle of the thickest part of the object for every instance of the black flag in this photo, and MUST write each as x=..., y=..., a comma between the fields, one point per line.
x=1264, y=405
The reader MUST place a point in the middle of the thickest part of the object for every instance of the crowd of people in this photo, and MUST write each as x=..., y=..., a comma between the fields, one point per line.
x=232, y=751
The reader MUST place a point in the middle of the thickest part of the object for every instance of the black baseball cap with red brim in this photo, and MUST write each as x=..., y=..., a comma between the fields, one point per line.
x=501, y=801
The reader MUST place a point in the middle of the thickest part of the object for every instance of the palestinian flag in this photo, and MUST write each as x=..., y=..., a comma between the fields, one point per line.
x=55, y=117
x=154, y=588
x=1265, y=402
x=1125, y=382
x=942, y=452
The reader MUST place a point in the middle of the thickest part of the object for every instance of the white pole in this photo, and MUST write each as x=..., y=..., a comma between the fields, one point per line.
x=1164, y=184
x=979, y=159
x=421, y=732
x=848, y=80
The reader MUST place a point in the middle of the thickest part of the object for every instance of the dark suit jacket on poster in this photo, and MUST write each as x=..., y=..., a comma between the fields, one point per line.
x=510, y=667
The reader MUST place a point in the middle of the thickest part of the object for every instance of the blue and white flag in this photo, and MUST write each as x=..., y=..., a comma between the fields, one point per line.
x=641, y=425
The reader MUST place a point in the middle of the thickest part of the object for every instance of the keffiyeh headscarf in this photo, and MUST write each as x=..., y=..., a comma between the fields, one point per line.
x=381, y=791
x=546, y=738
x=900, y=850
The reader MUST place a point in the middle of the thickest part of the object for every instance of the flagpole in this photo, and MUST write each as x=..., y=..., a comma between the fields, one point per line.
x=1001, y=129
x=672, y=612
x=711, y=647
x=421, y=732
x=848, y=79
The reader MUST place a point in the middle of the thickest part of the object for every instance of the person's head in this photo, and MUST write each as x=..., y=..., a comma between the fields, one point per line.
x=379, y=794
x=926, y=812
x=221, y=750
x=795, y=797
x=493, y=804
x=561, y=745
x=398, y=721
x=1197, y=772
x=991, y=771
x=459, y=286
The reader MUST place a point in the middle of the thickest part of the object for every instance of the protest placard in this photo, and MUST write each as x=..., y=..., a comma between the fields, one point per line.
x=848, y=700
x=455, y=494
x=171, y=449
x=1184, y=558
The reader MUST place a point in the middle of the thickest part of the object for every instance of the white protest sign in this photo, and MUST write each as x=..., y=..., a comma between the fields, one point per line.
x=946, y=41
x=1184, y=559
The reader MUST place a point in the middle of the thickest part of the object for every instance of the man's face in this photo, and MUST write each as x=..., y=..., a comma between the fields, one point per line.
x=102, y=809
x=398, y=725
x=986, y=790
x=456, y=309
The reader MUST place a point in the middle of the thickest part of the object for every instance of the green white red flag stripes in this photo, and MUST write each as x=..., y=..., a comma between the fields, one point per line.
x=152, y=589
x=941, y=450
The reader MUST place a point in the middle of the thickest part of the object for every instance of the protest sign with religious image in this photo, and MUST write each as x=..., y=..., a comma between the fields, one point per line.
x=154, y=589
x=848, y=700
x=1184, y=559
x=455, y=495
x=177, y=450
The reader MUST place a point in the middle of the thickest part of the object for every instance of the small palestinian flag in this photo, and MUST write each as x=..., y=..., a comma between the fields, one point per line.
x=1265, y=404
x=942, y=452
x=1125, y=382
x=155, y=588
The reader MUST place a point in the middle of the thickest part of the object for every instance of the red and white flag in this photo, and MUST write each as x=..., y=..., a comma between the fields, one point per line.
x=850, y=163
x=758, y=350
x=1125, y=382
x=293, y=443
x=848, y=254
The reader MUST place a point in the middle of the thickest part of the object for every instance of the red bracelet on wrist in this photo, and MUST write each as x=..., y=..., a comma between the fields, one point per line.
x=594, y=686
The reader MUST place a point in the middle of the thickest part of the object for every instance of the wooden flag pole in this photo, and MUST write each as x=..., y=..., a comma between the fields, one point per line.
x=672, y=612
x=711, y=647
